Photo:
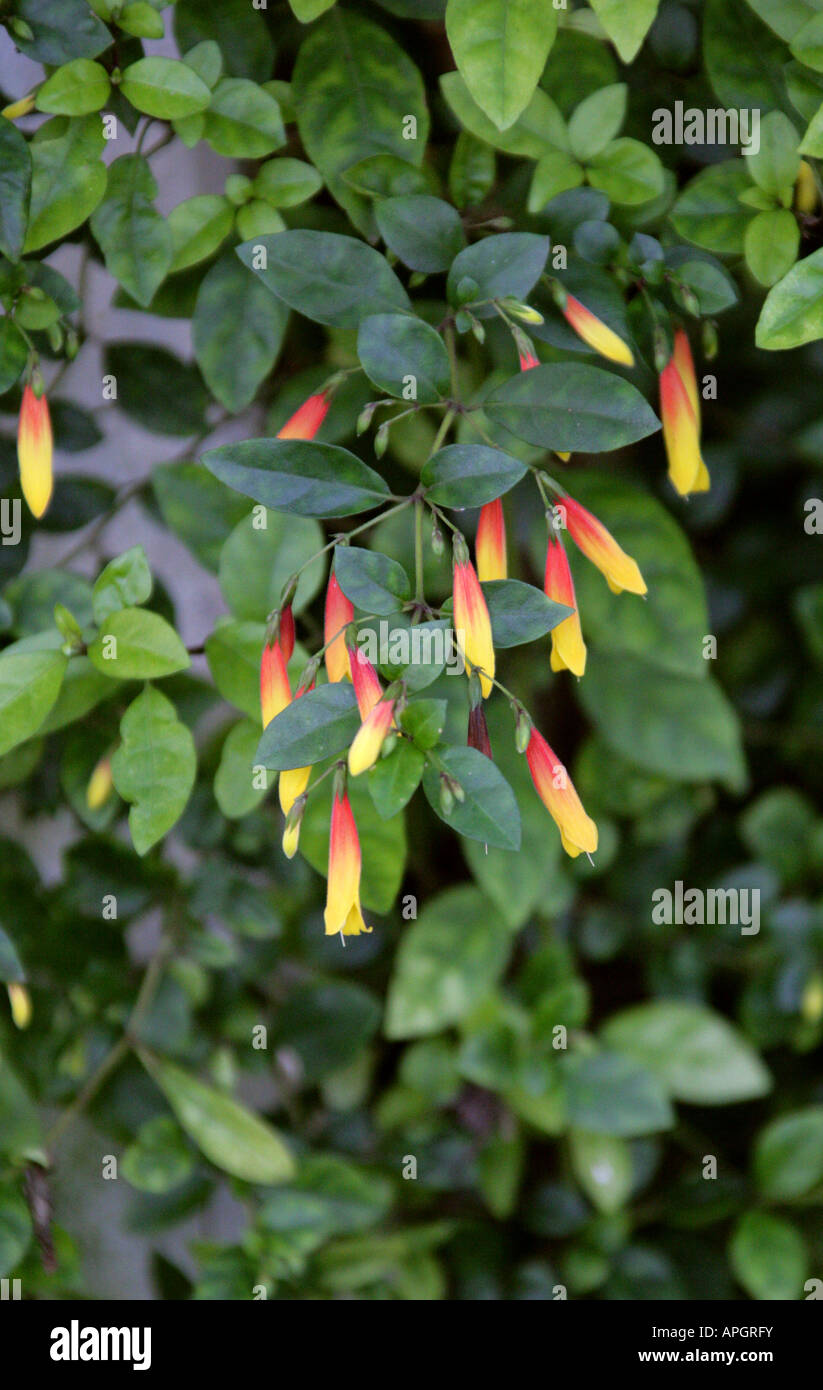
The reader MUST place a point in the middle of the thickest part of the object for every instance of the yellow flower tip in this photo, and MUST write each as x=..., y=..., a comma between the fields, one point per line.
x=811, y=1003
x=568, y=647
x=291, y=840
x=596, y=333
x=681, y=431
x=578, y=832
x=19, y=108
x=100, y=785
x=342, y=912
x=600, y=547
x=561, y=454
x=365, y=749
x=34, y=451
x=20, y=1003
x=292, y=783
x=805, y=189
x=472, y=624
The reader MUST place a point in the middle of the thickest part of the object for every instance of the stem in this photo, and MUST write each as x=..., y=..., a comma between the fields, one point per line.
x=451, y=348
x=358, y=530
x=419, y=586
x=445, y=423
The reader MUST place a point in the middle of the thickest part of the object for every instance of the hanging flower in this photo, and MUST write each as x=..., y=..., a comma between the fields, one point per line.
x=599, y=546
x=307, y=419
x=568, y=647
x=100, y=785
x=553, y=785
x=478, y=734
x=368, y=740
x=490, y=545
x=596, y=333
x=471, y=618
x=366, y=682
x=680, y=413
x=20, y=1004
x=339, y=613
x=343, y=913
x=275, y=691
x=34, y=451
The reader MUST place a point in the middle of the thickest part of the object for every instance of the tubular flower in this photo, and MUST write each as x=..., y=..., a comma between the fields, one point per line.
x=275, y=691
x=365, y=680
x=368, y=740
x=568, y=647
x=553, y=785
x=471, y=619
x=599, y=546
x=343, y=912
x=34, y=451
x=100, y=785
x=596, y=333
x=478, y=735
x=307, y=419
x=528, y=360
x=490, y=545
x=291, y=785
x=23, y=107
x=684, y=362
x=285, y=632
x=339, y=612
x=20, y=1002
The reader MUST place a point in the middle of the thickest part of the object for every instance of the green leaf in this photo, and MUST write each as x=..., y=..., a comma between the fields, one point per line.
x=769, y=1257
x=471, y=171
x=243, y=120
x=541, y=123
x=198, y=226
x=519, y=612
x=307, y=10
x=627, y=22
x=710, y=281
x=234, y=789
x=374, y=582
x=156, y=389
x=404, y=356
x=123, y=583
x=666, y=628
x=709, y=212
x=164, y=88
x=393, y=781
x=258, y=559
x=608, y=1093
x=240, y=30
x=75, y=89
x=555, y=172
x=387, y=642
x=233, y=653
x=699, y=1057
x=501, y=47
x=793, y=311
x=807, y=43
x=572, y=407
x=20, y=1134
x=423, y=721
x=469, y=475
x=140, y=18
x=326, y=277
x=628, y=172
x=154, y=766
x=134, y=238
x=788, y=1155
x=230, y=1136
x=508, y=264
x=771, y=245
x=777, y=828
x=14, y=352
x=160, y=1158
x=357, y=93
x=596, y=121
x=286, y=182
x=61, y=32
x=319, y=725
x=15, y=1228
x=234, y=364
x=744, y=61
x=489, y=811
x=134, y=644
x=685, y=729
x=15, y=192
x=424, y=232
x=812, y=142
x=68, y=180
x=11, y=969
x=29, y=685
x=774, y=167
x=197, y=508
x=448, y=960
x=602, y=1165
x=382, y=176
x=294, y=475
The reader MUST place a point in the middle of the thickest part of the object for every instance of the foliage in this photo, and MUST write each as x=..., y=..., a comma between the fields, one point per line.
x=448, y=245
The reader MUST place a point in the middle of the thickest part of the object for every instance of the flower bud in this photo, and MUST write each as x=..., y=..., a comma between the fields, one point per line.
x=20, y=1002
x=522, y=729
x=381, y=439
x=521, y=311
x=446, y=796
x=100, y=785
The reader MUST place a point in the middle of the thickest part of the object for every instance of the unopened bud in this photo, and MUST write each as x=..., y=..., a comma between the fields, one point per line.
x=364, y=419
x=291, y=834
x=685, y=296
x=20, y=29
x=478, y=330
x=381, y=439
x=522, y=729
x=711, y=341
x=446, y=796
x=72, y=344
x=661, y=348
x=438, y=544
x=521, y=311
x=20, y=1002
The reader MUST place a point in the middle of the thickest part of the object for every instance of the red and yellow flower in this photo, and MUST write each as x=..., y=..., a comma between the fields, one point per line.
x=275, y=690
x=376, y=713
x=34, y=451
x=596, y=333
x=307, y=419
x=680, y=413
x=100, y=784
x=343, y=912
x=599, y=546
x=471, y=618
x=490, y=545
x=339, y=613
x=553, y=785
x=568, y=647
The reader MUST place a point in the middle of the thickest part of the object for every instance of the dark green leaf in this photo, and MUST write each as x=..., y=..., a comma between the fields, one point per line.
x=572, y=407
x=326, y=277
x=424, y=232
x=235, y=363
x=469, y=475
x=320, y=724
x=372, y=581
x=489, y=811
x=404, y=356
x=293, y=475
